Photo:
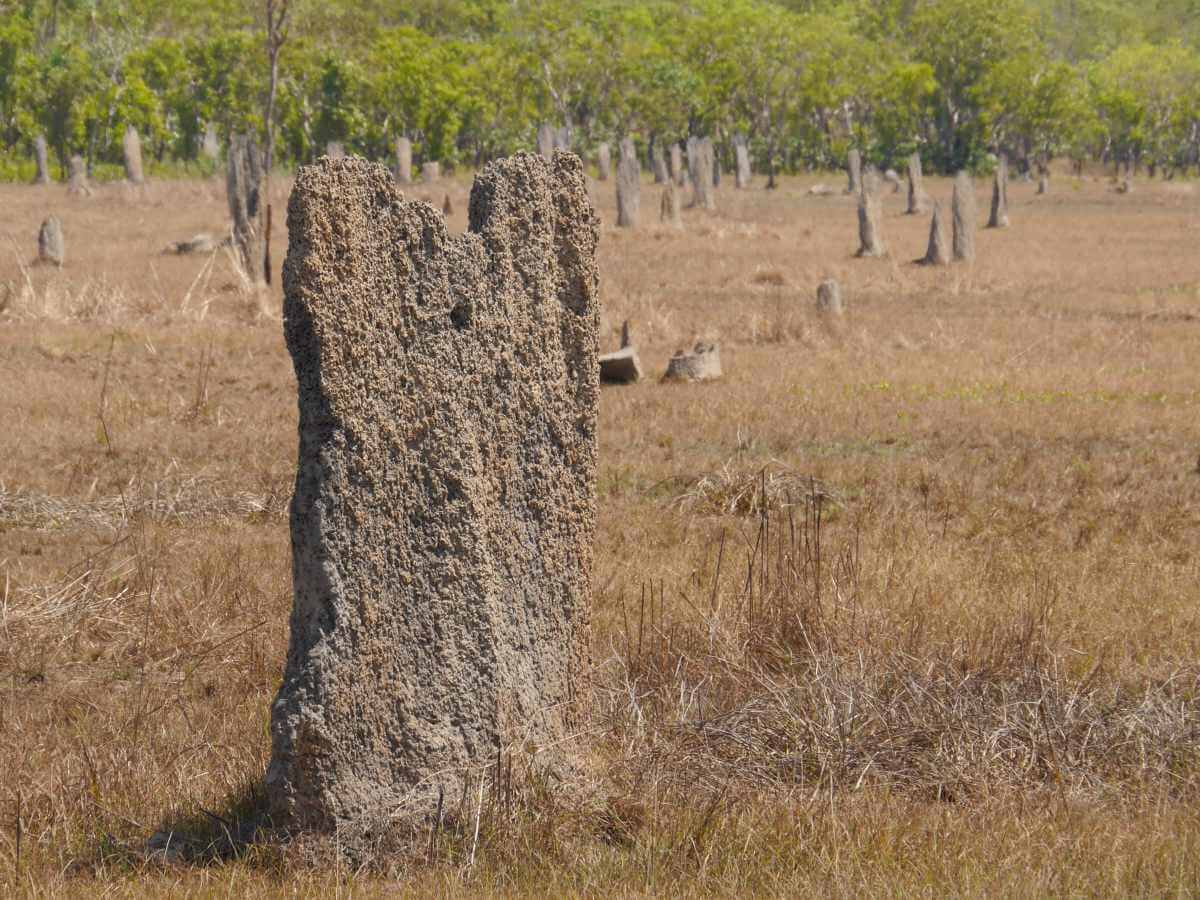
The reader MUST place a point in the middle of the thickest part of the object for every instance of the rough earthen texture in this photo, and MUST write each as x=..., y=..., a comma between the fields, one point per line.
x=742, y=175
x=702, y=364
x=829, y=298
x=963, y=215
x=854, y=172
x=702, y=180
x=41, y=157
x=629, y=190
x=668, y=210
x=132, y=147
x=243, y=189
x=603, y=162
x=916, y=186
x=999, y=213
x=51, y=247
x=403, y=160
x=545, y=141
x=870, y=237
x=77, y=180
x=444, y=510
x=937, y=253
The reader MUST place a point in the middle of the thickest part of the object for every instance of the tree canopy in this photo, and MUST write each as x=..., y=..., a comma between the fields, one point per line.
x=468, y=80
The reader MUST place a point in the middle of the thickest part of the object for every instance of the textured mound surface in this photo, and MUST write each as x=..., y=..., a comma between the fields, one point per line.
x=443, y=518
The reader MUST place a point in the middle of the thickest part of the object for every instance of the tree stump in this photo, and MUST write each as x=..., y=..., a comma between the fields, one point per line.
x=829, y=298
x=77, y=179
x=431, y=172
x=51, y=246
x=963, y=218
x=132, y=147
x=668, y=213
x=999, y=213
x=41, y=158
x=444, y=514
x=404, y=168
x=854, y=172
x=916, y=186
x=244, y=190
x=702, y=364
x=937, y=253
x=741, y=179
x=603, y=162
x=629, y=189
x=870, y=237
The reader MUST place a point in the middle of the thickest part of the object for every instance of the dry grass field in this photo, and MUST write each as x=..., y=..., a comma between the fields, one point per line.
x=905, y=604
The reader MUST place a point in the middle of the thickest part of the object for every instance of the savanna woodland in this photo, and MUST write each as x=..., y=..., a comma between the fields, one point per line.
x=906, y=602
x=469, y=80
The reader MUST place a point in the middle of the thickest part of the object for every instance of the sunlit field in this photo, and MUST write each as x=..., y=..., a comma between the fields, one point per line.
x=906, y=603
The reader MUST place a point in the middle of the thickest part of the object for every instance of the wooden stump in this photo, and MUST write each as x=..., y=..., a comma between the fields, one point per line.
x=244, y=190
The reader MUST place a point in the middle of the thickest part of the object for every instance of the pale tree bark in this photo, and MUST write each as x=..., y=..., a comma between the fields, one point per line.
x=278, y=16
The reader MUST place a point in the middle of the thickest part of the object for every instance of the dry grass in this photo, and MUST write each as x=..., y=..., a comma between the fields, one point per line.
x=905, y=604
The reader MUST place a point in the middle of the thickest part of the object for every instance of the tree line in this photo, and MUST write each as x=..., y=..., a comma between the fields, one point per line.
x=469, y=80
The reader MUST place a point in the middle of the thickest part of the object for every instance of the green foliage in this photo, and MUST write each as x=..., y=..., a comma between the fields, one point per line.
x=467, y=80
